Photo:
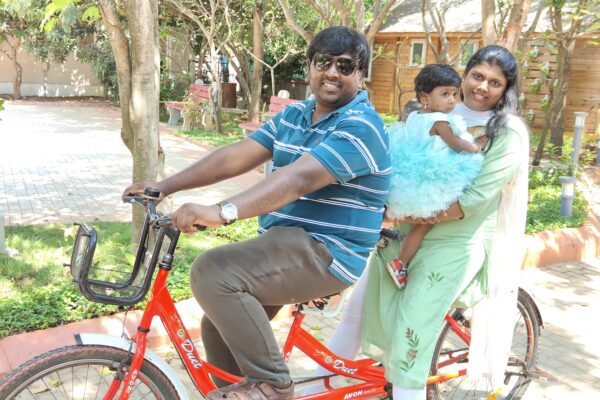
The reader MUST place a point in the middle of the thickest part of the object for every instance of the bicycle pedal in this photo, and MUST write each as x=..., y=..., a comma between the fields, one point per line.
x=541, y=375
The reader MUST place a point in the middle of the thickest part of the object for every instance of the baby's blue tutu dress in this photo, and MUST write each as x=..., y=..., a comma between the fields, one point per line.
x=428, y=175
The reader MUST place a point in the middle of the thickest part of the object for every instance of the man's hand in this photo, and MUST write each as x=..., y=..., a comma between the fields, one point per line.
x=191, y=214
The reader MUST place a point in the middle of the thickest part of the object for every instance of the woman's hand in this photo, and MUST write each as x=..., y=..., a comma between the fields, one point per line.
x=482, y=140
x=423, y=221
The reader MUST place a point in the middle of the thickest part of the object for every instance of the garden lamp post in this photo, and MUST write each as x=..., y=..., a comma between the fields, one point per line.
x=567, y=196
x=568, y=182
x=578, y=135
x=2, y=245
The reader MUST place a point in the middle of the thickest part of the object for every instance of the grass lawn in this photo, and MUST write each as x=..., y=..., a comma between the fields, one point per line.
x=36, y=290
x=231, y=134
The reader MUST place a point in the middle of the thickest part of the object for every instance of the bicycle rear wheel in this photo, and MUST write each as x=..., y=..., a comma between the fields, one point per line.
x=524, y=355
x=81, y=373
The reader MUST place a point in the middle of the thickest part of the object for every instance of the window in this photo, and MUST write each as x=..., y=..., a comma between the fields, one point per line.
x=467, y=49
x=417, y=53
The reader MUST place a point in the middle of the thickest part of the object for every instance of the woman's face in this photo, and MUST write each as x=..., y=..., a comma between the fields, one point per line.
x=483, y=87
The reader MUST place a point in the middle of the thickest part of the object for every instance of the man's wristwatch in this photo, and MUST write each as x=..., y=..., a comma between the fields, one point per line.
x=228, y=213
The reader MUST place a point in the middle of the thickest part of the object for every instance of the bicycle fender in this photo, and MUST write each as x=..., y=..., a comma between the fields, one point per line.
x=121, y=343
x=529, y=294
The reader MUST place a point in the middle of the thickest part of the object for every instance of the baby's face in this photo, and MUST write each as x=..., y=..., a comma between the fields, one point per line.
x=442, y=99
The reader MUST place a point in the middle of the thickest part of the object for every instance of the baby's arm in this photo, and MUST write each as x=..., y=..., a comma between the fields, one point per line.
x=442, y=128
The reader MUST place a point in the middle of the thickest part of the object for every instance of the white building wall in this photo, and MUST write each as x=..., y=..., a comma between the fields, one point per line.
x=71, y=78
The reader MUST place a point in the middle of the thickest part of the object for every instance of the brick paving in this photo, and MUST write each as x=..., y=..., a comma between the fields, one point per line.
x=66, y=162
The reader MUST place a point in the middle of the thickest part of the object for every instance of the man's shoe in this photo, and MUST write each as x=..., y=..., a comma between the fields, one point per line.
x=245, y=390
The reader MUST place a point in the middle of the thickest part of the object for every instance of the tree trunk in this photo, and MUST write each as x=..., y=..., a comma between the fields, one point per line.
x=518, y=18
x=142, y=18
x=488, y=30
x=257, y=71
x=45, y=85
x=557, y=125
x=18, y=69
x=138, y=66
x=120, y=48
x=555, y=117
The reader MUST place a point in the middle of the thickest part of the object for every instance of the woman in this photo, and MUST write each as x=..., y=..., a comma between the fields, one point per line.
x=460, y=260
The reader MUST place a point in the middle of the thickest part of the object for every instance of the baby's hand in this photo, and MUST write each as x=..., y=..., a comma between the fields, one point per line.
x=482, y=140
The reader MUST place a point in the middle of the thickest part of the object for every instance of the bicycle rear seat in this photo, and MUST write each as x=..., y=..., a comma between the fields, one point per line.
x=328, y=306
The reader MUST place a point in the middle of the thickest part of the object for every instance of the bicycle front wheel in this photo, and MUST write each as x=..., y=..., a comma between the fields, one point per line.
x=81, y=373
x=451, y=355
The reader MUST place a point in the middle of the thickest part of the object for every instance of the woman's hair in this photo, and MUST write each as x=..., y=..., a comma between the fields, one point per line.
x=337, y=40
x=434, y=75
x=509, y=102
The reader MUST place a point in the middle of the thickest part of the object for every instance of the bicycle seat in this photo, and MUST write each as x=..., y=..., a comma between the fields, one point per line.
x=326, y=306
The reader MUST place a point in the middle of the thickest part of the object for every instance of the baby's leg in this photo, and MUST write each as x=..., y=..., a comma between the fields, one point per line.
x=412, y=242
x=410, y=245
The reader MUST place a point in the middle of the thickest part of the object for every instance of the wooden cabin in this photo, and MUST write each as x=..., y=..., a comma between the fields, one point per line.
x=401, y=50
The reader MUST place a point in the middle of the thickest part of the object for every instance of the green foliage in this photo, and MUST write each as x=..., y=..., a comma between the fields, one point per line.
x=99, y=55
x=388, y=119
x=36, y=290
x=172, y=90
x=232, y=133
x=543, y=212
x=1, y=104
x=74, y=19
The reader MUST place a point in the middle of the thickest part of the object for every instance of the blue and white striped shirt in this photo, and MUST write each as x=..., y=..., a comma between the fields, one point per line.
x=352, y=145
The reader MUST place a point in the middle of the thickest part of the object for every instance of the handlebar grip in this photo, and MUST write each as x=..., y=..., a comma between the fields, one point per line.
x=129, y=199
x=391, y=234
x=151, y=192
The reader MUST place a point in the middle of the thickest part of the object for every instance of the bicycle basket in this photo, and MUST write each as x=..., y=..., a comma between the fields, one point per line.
x=111, y=283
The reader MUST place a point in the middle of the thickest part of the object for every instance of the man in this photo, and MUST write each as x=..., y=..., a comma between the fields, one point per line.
x=321, y=211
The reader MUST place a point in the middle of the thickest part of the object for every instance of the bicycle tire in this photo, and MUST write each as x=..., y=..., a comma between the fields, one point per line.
x=79, y=373
x=524, y=356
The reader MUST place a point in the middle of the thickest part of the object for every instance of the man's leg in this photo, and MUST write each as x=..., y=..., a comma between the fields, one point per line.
x=217, y=351
x=233, y=282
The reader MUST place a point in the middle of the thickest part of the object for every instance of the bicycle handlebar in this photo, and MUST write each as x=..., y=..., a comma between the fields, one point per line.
x=149, y=200
x=391, y=234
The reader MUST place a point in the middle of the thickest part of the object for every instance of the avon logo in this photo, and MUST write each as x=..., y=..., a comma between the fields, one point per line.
x=341, y=366
x=188, y=347
x=353, y=395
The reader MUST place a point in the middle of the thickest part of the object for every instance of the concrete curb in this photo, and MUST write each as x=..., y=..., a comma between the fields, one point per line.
x=562, y=246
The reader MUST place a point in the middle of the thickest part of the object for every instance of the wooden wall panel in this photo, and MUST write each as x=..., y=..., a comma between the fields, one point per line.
x=392, y=75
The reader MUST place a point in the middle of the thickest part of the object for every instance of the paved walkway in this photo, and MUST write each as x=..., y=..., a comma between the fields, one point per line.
x=66, y=162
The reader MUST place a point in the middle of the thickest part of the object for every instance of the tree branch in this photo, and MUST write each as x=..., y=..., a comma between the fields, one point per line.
x=290, y=19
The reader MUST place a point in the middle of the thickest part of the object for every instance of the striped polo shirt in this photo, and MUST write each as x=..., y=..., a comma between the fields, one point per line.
x=351, y=143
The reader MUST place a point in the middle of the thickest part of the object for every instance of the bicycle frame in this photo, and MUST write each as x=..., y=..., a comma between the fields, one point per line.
x=161, y=304
x=368, y=371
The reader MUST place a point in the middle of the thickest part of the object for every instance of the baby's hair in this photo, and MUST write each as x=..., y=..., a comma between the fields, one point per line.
x=434, y=75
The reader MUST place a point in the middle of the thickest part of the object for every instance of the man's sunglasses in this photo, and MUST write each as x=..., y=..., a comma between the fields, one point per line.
x=345, y=66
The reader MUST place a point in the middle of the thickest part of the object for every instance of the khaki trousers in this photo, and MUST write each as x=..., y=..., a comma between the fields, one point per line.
x=241, y=286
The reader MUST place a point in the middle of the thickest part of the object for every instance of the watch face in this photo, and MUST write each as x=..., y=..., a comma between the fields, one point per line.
x=229, y=212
